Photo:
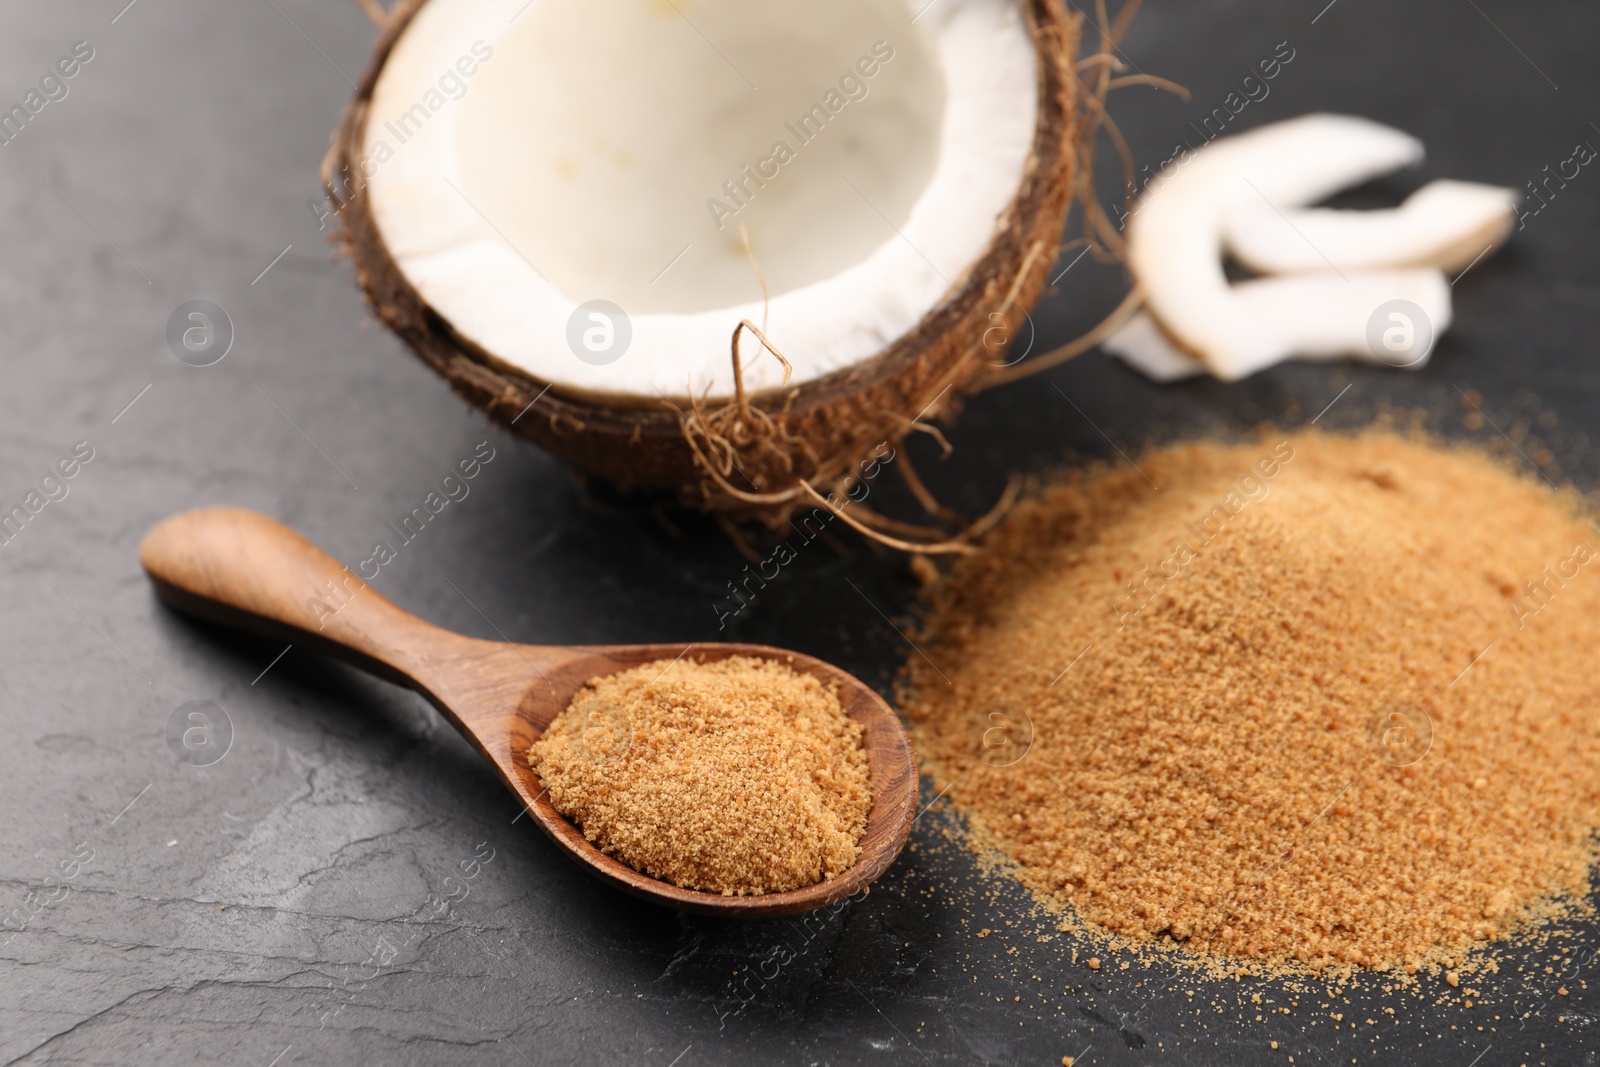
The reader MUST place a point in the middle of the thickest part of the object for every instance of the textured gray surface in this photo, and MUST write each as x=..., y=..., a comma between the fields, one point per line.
x=347, y=884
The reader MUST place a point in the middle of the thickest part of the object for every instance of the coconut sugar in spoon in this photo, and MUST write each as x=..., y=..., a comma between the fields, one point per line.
x=242, y=569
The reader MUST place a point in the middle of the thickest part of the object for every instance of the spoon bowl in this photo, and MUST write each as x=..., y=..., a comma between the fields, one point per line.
x=242, y=569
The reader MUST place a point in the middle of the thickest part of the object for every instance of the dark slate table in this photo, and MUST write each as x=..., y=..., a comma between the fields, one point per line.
x=349, y=883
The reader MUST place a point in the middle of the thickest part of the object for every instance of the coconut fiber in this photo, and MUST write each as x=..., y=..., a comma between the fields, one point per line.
x=1328, y=702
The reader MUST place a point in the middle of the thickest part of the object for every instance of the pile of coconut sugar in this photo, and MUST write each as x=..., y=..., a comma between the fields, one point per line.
x=1325, y=702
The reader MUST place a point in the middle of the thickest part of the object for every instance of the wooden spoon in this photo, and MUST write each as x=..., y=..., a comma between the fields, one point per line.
x=242, y=569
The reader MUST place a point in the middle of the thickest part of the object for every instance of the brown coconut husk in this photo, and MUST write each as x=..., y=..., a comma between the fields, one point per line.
x=762, y=456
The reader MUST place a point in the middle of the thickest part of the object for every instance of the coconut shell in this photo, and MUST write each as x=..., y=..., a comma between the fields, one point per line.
x=761, y=457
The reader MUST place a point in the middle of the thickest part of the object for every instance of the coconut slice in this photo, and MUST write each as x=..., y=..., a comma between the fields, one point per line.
x=1313, y=317
x=1145, y=347
x=1221, y=195
x=579, y=203
x=1445, y=224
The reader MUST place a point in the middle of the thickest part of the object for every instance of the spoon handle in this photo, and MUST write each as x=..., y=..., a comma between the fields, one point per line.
x=243, y=569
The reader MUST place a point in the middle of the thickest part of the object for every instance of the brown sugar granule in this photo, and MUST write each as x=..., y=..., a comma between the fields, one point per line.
x=1320, y=701
x=739, y=776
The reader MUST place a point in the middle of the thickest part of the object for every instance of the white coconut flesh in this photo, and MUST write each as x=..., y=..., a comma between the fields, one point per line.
x=1250, y=194
x=611, y=150
x=1445, y=224
x=1325, y=323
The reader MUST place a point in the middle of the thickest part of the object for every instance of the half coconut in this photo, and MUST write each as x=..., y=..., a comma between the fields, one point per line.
x=568, y=208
